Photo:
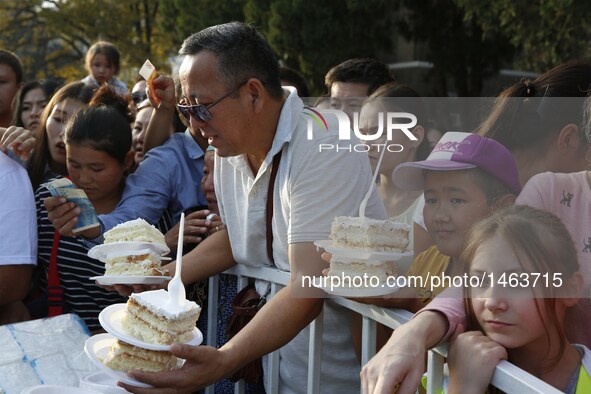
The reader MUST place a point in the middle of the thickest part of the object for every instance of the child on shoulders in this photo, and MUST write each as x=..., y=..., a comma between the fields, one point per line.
x=102, y=64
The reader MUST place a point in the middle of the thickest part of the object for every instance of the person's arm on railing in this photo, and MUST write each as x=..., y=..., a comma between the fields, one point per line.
x=211, y=257
x=403, y=298
x=401, y=362
x=472, y=359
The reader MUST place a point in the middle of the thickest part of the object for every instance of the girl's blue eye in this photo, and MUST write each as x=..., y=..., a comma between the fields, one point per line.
x=457, y=201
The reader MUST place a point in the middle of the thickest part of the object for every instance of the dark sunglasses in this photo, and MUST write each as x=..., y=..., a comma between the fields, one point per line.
x=201, y=112
x=138, y=97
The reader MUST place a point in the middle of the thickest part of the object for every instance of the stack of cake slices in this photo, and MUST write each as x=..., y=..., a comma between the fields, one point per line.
x=148, y=321
x=364, y=247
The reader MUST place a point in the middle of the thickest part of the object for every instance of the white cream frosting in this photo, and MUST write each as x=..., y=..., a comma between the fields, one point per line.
x=157, y=302
x=134, y=230
x=133, y=223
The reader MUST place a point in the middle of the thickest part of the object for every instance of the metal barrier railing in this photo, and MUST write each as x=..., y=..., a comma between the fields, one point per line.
x=506, y=377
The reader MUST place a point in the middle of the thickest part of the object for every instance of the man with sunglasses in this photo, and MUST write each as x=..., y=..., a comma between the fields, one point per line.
x=231, y=94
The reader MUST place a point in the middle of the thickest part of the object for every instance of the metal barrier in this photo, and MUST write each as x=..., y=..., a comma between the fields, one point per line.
x=506, y=377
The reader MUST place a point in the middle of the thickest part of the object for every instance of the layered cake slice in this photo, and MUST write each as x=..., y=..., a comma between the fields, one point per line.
x=350, y=268
x=142, y=263
x=151, y=318
x=366, y=234
x=125, y=357
x=370, y=234
x=137, y=230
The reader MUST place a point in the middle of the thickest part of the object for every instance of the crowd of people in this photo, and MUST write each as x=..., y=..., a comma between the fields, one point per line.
x=227, y=142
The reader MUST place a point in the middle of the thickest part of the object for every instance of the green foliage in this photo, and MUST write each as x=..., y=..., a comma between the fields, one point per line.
x=467, y=40
x=546, y=32
x=461, y=54
x=52, y=37
x=181, y=18
x=314, y=36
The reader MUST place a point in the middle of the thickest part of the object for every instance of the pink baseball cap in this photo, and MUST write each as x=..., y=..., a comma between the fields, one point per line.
x=461, y=151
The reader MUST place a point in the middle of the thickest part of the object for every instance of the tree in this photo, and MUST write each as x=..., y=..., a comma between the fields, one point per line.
x=545, y=32
x=181, y=18
x=52, y=37
x=459, y=50
x=314, y=36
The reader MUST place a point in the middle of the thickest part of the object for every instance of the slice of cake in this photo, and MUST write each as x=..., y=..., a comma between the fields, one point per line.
x=370, y=234
x=141, y=263
x=345, y=268
x=151, y=318
x=125, y=357
x=137, y=230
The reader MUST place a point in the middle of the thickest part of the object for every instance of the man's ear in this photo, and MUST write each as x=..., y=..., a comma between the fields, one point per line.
x=506, y=200
x=568, y=139
x=257, y=94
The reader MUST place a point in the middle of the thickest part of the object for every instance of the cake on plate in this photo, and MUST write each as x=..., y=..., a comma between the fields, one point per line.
x=344, y=268
x=370, y=234
x=144, y=262
x=151, y=318
x=125, y=357
x=137, y=230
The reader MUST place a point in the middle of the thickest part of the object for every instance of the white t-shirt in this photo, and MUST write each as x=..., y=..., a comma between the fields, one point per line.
x=18, y=220
x=311, y=188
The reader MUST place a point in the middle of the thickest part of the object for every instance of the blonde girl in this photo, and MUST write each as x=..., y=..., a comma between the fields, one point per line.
x=512, y=317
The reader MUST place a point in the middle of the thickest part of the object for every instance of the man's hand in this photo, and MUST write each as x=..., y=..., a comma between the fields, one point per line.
x=163, y=95
x=472, y=360
x=202, y=368
x=215, y=223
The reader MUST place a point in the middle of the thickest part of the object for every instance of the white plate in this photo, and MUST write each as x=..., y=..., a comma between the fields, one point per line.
x=55, y=389
x=130, y=280
x=100, y=252
x=355, y=292
x=364, y=254
x=111, y=318
x=101, y=382
x=97, y=347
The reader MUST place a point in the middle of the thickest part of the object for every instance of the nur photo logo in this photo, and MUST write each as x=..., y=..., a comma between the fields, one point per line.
x=388, y=124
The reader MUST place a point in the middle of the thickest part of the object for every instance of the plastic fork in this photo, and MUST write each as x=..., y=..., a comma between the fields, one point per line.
x=176, y=288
